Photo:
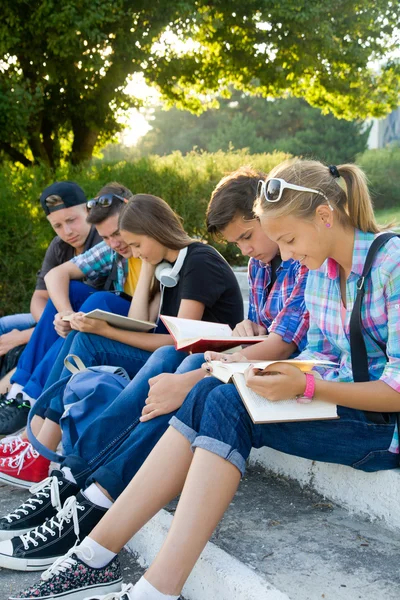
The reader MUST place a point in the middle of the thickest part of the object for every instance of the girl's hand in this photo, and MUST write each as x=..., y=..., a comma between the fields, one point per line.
x=63, y=328
x=279, y=381
x=80, y=322
x=167, y=393
x=234, y=357
x=247, y=329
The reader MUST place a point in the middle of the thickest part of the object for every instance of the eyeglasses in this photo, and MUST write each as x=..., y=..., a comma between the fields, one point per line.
x=272, y=189
x=105, y=200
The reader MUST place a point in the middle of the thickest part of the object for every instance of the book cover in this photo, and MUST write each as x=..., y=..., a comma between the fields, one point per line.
x=118, y=321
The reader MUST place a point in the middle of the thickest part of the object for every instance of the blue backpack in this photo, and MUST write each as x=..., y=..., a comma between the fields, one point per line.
x=84, y=395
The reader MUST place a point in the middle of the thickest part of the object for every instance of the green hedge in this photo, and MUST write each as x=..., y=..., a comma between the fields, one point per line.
x=184, y=182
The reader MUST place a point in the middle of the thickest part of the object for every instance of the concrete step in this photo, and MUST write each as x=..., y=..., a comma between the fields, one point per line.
x=373, y=495
x=281, y=541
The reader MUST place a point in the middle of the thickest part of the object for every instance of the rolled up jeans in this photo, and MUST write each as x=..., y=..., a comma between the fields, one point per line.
x=213, y=417
x=20, y=322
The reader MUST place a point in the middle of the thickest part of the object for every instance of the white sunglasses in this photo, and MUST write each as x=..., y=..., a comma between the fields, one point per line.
x=272, y=189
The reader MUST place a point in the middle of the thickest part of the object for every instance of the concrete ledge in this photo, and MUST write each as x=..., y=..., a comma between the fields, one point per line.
x=217, y=575
x=374, y=495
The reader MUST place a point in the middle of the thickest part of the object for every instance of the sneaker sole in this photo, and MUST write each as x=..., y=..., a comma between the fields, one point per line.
x=15, y=481
x=6, y=534
x=95, y=590
x=26, y=564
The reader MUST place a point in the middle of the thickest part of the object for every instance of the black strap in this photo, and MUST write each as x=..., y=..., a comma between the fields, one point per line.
x=359, y=356
x=112, y=276
x=275, y=263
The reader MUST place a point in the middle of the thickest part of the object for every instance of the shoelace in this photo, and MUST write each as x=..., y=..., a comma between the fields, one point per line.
x=17, y=461
x=122, y=595
x=68, y=511
x=41, y=490
x=11, y=443
x=65, y=562
x=7, y=401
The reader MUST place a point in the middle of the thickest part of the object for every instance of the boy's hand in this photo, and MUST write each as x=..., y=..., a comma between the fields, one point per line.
x=247, y=329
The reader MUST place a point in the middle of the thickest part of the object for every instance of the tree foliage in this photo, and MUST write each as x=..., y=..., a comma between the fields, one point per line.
x=288, y=125
x=65, y=64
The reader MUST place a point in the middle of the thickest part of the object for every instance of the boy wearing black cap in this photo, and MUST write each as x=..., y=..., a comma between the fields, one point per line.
x=65, y=206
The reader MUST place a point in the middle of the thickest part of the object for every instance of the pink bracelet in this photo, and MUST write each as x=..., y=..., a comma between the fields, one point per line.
x=308, y=394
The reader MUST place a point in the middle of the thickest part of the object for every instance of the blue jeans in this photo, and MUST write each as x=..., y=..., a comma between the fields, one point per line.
x=214, y=417
x=44, y=337
x=52, y=364
x=20, y=322
x=117, y=443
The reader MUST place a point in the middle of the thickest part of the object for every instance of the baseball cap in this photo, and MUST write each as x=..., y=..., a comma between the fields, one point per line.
x=70, y=193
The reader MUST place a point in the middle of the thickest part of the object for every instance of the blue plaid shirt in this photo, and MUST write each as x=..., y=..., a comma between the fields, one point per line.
x=283, y=311
x=98, y=261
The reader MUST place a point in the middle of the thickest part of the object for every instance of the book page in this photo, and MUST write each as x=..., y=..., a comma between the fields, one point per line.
x=188, y=329
x=120, y=321
x=262, y=410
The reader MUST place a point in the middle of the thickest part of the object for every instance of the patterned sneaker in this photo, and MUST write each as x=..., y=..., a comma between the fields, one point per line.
x=70, y=577
x=13, y=414
x=12, y=444
x=40, y=547
x=24, y=468
x=46, y=500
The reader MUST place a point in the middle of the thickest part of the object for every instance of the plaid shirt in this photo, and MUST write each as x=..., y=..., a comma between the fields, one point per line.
x=328, y=339
x=283, y=311
x=98, y=261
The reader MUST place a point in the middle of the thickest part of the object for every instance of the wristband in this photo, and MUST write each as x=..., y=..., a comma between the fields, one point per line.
x=308, y=393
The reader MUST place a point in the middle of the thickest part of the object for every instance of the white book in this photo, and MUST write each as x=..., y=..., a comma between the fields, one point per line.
x=118, y=320
x=199, y=336
x=262, y=410
x=224, y=371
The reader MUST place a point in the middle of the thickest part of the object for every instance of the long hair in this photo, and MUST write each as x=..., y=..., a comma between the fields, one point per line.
x=149, y=215
x=353, y=205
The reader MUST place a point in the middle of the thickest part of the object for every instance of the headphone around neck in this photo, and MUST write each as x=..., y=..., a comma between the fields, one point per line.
x=168, y=275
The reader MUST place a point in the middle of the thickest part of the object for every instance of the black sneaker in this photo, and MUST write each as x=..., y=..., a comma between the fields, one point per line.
x=70, y=577
x=46, y=500
x=13, y=414
x=40, y=547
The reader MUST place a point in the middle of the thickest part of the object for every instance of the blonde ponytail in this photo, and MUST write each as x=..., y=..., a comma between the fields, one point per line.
x=359, y=204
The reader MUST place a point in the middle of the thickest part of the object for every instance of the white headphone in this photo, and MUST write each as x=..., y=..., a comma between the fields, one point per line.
x=168, y=275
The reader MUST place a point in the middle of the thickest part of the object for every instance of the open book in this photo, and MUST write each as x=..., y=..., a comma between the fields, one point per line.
x=199, y=336
x=225, y=371
x=262, y=410
x=117, y=320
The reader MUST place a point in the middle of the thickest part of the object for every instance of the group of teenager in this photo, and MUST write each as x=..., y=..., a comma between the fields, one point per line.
x=174, y=429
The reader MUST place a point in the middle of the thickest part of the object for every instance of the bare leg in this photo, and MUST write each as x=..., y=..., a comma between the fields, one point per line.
x=5, y=383
x=36, y=426
x=49, y=434
x=209, y=488
x=157, y=482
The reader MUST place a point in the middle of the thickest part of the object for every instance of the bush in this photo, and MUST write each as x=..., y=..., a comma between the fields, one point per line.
x=382, y=168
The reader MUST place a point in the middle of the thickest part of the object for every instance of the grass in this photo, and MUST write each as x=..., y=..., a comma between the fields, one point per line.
x=388, y=215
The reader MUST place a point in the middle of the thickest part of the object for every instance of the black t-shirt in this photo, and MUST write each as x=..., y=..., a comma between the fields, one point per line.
x=59, y=252
x=205, y=276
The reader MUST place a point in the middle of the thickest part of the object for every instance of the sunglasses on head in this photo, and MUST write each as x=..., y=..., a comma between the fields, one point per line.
x=104, y=200
x=272, y=189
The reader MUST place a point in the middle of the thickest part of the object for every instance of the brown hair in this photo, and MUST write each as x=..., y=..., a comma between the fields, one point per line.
x=352, y=205
x=98, y=214
x=54, y=200
x=149, y=215
x=234, y=196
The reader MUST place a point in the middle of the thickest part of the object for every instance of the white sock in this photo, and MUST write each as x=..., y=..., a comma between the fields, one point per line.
x=101, y=556
x=143, y=590
x=15, y=389
x=95, y=495
x=66, y=471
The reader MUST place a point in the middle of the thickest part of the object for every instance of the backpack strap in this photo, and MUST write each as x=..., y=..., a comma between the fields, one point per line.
x=80, y=365
x=359, y=356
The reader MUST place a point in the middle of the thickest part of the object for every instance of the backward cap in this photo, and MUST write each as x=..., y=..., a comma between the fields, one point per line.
x=70, y=193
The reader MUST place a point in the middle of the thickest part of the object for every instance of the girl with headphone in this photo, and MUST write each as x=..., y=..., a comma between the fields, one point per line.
x=330, y=229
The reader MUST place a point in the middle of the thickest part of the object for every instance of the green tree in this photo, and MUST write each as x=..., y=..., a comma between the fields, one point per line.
x=289, y=125
x=65, y=64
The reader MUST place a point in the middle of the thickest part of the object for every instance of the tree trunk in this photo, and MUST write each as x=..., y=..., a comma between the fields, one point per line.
x=84, y=142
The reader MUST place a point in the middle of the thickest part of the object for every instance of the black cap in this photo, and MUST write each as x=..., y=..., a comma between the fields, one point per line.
x=70, y=193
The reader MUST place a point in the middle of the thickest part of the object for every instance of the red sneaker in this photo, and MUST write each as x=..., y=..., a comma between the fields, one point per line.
x=12, y=444
x=24, y=468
